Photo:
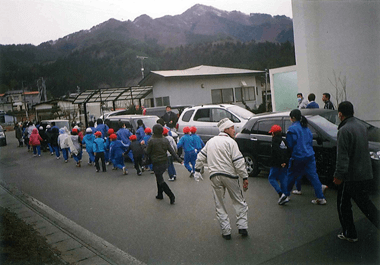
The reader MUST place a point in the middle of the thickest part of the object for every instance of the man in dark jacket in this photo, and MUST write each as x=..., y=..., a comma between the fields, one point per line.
x=157, y=149
x=353, y=171
x=326, y=100
x=170, y=117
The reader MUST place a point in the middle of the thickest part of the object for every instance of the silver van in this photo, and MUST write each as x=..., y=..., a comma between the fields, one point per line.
x=206, y=117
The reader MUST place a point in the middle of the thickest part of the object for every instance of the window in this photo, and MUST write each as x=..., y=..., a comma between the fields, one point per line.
x=248, y=93
x=266, y=125
x=187, y=116
x=202, y=115
x=224, y=95
x=218, y=114
x=162, y=101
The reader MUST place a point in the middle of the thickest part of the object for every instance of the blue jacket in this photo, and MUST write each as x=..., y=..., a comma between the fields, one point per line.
x=300, y=141
x=146, y=138
x=312, y=105
x=103, y=128
x=88, y=139
x=98, y=145
x=123, y=135
x=107, y=143
x=117, y=148
x=198, y=143
x=140, y=134
x=186, y=142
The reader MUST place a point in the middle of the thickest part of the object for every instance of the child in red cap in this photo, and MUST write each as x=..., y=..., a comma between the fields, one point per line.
x=279, y=162
x=77, y=143
x=117, y=149
x=107, y=146
x=187, y=143
x=138, y=152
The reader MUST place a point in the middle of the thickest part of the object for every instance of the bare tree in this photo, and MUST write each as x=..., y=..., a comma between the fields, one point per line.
x=340, y=88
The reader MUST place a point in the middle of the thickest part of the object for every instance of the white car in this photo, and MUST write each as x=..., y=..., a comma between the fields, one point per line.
x=206, y=117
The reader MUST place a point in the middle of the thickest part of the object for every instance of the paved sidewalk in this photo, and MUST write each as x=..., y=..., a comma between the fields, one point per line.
x=77, y=245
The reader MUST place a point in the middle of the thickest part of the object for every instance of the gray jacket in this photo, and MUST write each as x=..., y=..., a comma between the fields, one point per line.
x=353, y=162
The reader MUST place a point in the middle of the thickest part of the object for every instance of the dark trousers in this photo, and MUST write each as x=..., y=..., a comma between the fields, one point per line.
x=159, y=170
x=138, y=163
x=97, y=157
x=356, y=190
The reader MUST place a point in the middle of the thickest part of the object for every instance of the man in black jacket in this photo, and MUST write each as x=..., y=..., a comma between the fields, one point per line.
x=353, y=171
x=326, y=100
x=170, y=117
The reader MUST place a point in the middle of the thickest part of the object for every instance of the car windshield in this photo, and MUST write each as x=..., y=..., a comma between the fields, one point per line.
x=242, y=113
x=326, y=125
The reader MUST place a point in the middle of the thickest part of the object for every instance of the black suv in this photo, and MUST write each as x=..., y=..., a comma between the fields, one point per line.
x=254, y=141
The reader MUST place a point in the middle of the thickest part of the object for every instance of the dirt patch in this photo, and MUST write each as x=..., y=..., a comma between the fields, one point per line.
x=20, y=243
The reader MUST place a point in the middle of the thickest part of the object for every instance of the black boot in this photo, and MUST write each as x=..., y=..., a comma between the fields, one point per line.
x=168, y=192
x=159, y=192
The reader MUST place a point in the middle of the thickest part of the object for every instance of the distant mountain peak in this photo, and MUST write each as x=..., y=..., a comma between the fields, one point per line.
x=200, y=10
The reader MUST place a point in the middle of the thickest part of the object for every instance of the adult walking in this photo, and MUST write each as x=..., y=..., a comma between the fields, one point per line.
x=226, y=165
x=170, y=117
x=157, y=149
x=18, y=133
x=302, y=160
x=353, y=171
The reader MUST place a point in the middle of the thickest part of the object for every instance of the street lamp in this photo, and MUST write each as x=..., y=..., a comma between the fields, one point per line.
x=142, y=64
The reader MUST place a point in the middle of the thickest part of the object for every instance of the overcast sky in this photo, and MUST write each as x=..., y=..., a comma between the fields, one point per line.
x=37, y=21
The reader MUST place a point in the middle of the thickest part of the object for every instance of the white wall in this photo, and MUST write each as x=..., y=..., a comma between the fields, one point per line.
x=189, y=91
x=341, y=36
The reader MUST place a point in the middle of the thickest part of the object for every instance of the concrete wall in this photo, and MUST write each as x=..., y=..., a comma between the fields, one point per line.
x=197, y=91
x=340, y=37
x=284, y=88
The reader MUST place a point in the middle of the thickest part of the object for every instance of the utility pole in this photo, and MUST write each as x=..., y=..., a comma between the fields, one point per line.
x=25, y=103
x=266, y=91
x=142, y=64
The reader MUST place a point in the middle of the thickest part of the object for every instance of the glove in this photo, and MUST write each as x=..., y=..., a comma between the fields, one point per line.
x=198, y=176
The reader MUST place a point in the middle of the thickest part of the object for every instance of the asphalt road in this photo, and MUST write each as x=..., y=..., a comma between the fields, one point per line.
x=123, y=211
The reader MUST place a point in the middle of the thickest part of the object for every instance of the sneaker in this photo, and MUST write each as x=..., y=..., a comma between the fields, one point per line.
x=51, y=154
x=171, y=179
x=283, y=199
x=159, y=197
x=125, y=171
x=97, y=171
x=172, y=200
x=174, y=177
x=319, y=201
x=34, y=155
x=324, y=187
x=139, y=174
x=243, y=232
x=107, y=163
x=191, y=175
x=39, y=155
x=227, y=237
x=58, y=157
x=297, y=192
x=65, y=161
x=343, y=237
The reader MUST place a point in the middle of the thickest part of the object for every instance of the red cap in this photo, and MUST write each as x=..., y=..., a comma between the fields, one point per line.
x=193, y=129
x=113, y=136
x=148, y=130
x=75, y=130
x=98, y=133
x=166, y=131
x=186, y=130
x=132, y=137
x=110, y=131
x=275, y=128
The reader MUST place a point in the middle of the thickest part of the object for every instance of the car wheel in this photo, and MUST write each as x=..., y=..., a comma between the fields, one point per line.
x=251, y=165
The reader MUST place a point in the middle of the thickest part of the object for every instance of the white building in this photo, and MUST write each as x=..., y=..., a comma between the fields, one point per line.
x=205, y=85
x=337, y=44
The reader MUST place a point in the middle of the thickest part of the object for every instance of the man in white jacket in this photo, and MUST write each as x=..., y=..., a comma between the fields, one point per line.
x=226, y=165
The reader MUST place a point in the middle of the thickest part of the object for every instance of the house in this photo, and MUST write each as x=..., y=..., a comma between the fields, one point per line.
x=337, y=51
x=205, y=85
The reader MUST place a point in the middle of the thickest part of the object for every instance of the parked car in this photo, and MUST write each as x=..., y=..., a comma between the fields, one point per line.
x=160, y=111
x=114, y=113
x=115, y=122
x=254, y=141
x=206, y=117
x=3, y=137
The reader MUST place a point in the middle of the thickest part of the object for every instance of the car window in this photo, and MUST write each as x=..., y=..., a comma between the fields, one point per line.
x=187, y=116
x=148, y=121
x=218, y=114
x=264, y=126
x=202, y=115
x=287, y=124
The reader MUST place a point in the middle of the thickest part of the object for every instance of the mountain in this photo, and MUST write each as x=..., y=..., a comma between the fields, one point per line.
x=200, y=23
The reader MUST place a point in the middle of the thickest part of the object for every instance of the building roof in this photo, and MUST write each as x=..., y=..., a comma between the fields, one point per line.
x=31, y=93
x=202, y=70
